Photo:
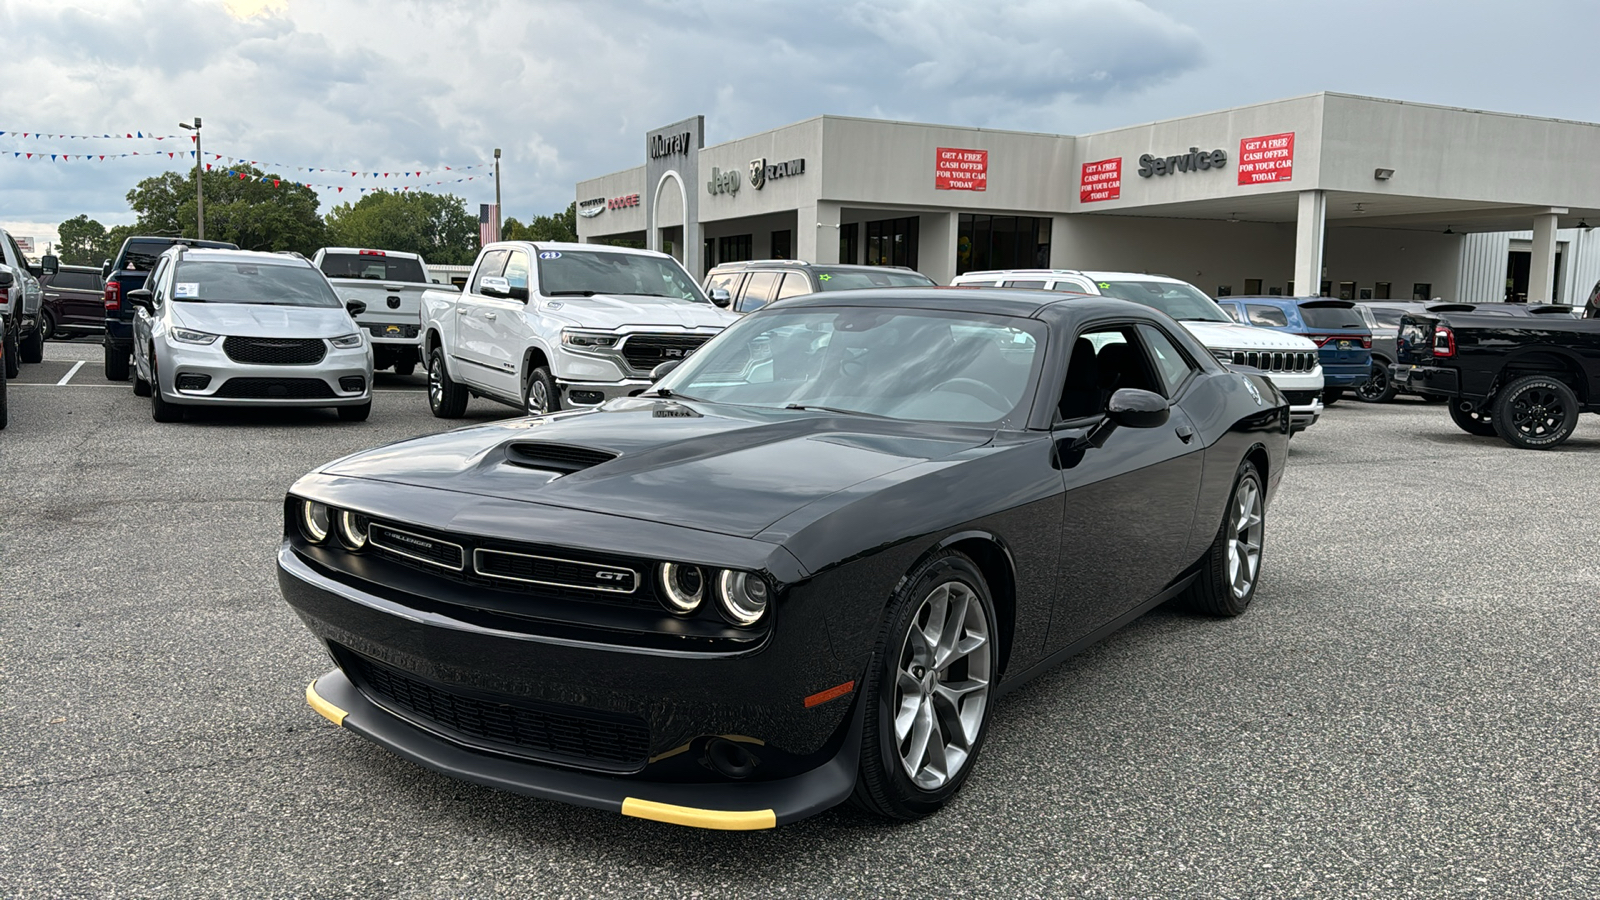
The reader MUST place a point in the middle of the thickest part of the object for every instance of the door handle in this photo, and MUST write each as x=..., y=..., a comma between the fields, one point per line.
x=461, y=311
x=1185, y=433
x=50, y=295
x=490, y=316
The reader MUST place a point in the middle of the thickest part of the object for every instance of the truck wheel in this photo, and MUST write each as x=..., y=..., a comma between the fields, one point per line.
x=447, y=399
x=116, y=365
x=13, y=362
x=1535, y=412
x=542, y=395
x=1380, y=388
x=32, y=347
x=1474, y=422
x=47, y=326
x=3, y=414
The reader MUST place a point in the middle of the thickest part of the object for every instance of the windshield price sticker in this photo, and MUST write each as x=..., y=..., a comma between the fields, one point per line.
x=550, y=254
x=186, y=289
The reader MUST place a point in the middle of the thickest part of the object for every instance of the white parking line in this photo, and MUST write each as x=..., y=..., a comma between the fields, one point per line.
x=71, y=372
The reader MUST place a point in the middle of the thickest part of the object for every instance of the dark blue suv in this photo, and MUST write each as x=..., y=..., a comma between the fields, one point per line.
x=1341, y=334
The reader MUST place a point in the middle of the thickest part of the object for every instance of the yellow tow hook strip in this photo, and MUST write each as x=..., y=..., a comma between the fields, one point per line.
x=720, y=820
x=327, y=710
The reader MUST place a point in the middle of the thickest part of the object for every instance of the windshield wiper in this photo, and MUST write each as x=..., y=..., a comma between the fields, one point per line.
x=570, y=293
x=804, y=407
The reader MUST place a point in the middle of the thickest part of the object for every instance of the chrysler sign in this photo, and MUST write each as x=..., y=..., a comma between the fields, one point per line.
x=591, y=208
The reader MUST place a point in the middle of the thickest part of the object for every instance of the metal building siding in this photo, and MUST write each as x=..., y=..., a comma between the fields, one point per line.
x=1582, y=262
x=1482, y=276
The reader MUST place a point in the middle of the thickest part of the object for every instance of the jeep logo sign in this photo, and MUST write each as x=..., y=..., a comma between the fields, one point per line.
x=1193, y=161
x=722, y=182
x=669, y=145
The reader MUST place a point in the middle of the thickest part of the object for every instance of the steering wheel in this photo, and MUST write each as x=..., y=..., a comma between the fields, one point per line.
x=977, y=390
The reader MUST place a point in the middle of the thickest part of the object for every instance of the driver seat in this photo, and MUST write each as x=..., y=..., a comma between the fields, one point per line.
x=1080, y=392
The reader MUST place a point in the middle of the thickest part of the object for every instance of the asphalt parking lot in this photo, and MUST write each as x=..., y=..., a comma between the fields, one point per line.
x=1411, y=707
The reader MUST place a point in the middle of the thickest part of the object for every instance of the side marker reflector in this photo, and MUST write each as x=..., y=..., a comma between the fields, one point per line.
x=327, y=710
x=718, y=819
x=832, y=693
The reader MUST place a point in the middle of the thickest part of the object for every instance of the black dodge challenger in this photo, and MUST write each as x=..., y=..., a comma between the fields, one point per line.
x=800, y=569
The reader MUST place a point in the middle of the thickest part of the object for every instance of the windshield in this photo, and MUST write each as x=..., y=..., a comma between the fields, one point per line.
x=857, y=279
x=1176, y=299
x=252, y=282
x=1331, y=317
x=1385, y=315
x=373, y=266
x=578, y=272
x=907, y=364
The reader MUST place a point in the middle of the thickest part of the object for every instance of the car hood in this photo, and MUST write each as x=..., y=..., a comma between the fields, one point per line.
x=638, y=312
x=729, y=470
x=1230, y=336
x=263, y=320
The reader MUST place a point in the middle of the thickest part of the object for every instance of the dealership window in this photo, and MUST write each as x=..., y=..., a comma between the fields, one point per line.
x=708, y=256
x=1252, y=287
x=892, y=242
x=849, y=246
x=1381, y=291
x=783, y=244
x=735, y=248
x=1001, y=242
x=1421, y=292
x=1347, y=290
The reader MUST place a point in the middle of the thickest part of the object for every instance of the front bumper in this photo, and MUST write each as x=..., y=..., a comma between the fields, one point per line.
x=1304, y=415
x=1427, y=380
x=317, y=384
x=1346, y=376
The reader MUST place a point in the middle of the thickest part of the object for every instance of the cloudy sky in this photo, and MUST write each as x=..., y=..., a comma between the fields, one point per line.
x=567, y=89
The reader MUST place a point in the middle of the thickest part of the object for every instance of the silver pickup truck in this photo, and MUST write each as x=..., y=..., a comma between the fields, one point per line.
x=549, y=326
x=390, y=283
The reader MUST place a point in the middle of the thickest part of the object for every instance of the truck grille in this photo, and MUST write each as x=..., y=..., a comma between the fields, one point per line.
x=275, y=389
x=399, y=331
x=1276, y=361
x=591, y=738
x=646, y=351
x=275, y=351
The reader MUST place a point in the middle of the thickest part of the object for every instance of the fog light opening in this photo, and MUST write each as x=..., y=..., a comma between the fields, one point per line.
x=729, y=759
x=587, y=398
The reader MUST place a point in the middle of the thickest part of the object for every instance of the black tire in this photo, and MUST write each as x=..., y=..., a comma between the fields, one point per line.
x=883, y=784
x=117, y=365
x=160, y=409
x=1330, y=396
x=47, y=326
x=13, y=361
x=1216, y=591
x=141, y=388
x=447, y=399
x=355, y=413
x=32, y=347
x=1380, y=388
x=1535, y=412
x=1474, y=422
x=4, y=415
x=539, y=393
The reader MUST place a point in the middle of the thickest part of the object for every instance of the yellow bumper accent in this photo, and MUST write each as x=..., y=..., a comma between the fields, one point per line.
x=721, y=820
x=328, y=711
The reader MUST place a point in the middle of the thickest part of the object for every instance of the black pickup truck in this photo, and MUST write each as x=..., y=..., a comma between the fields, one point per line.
x=1523, y=378
x=125, y=274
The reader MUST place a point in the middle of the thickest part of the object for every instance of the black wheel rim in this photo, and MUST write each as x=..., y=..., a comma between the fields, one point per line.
x=436, y=383
x=1374, y=387
x=1538, y=413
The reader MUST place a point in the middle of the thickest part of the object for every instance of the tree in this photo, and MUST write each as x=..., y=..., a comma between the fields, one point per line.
x=244, y=209
x=436, y=226
x=83, y=242
x=562, y=226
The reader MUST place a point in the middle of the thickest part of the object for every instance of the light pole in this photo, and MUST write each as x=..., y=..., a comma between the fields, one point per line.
x=499, y=215
x=199, y=188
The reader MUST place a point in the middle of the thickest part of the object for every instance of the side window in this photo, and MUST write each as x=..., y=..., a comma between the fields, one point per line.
x=758, y=290
x=1170, y=361
x=16, y=252
x=158, y=281
x=1072, y=286
x=727, y=281
x=1270, y=316
x=794, y=284
x=494, y=262
x=517, y=269
x=1102, y=362
x=1026, y=285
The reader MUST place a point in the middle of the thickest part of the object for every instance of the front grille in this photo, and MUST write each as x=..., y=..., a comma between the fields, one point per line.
x=1276, y=361
x=562, y=458
x=394, y=331
x=555, y=572
x=1300, y=398
x=418, y=547
x=594, y=738
x=275, y=389
x=275, y=351
x=646, y=351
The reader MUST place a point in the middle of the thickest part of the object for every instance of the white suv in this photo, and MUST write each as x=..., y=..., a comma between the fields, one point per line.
x=1288, y=360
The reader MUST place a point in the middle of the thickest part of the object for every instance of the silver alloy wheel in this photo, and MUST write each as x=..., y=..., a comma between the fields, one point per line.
x=436, y=383
x=941, y=685
x=1244, y=547
x=538, y=397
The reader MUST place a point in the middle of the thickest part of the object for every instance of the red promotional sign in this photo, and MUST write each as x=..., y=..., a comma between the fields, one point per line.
x=961, y=170
x=1266, y=159
x=1100, y=181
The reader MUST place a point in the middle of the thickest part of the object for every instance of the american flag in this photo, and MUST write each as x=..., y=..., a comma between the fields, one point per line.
x=488, y=223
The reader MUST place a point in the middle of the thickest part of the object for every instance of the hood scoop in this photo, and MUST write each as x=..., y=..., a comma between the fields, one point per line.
x=562, y=459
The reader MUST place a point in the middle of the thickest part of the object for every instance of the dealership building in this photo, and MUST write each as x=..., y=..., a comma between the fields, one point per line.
x=1331, y=193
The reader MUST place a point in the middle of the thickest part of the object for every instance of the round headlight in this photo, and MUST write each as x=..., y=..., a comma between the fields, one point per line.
x=684, y=587
x=743, y=596
x=314, y=521
x=352, y=529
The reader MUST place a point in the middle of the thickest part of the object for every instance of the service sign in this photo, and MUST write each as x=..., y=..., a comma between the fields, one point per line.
x=1100, y=181
x=960, y=170
x=1266, y=159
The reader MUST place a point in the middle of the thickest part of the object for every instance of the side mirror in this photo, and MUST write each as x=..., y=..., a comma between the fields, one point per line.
x=49, y=264
x=143, y=299
x=353, y=307
x=105, y=268
x=495, y=287
x=721, y=297
x=1133, y=408
x=660, y=371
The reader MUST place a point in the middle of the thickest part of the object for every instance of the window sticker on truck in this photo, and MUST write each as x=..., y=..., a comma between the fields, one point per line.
x=550, y=254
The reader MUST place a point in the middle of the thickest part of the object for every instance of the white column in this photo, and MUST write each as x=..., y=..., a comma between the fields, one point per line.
x=1309, y=228
x=936, y=245
x=1542, y=271
x=816, y=237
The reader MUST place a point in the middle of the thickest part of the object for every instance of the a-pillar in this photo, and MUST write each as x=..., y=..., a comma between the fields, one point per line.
x=1542, y=267
x=818, y=237
x=1309, y=227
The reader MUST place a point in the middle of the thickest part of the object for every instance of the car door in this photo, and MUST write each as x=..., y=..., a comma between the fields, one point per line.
x=509, y=332
x=793, y=284
x=1129, y=504
x=144, y=324
x=473, y=352
x=758, y=291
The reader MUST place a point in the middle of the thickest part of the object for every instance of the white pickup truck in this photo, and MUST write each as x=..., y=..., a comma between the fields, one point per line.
x=548, y=326
x=391, y=284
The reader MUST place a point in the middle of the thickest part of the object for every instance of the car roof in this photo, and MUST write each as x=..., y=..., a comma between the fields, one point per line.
x=1093, y=275
x=216, y=254
x=803, y=264
x=400, y=253
x=1008, y=302
x=569, y=246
